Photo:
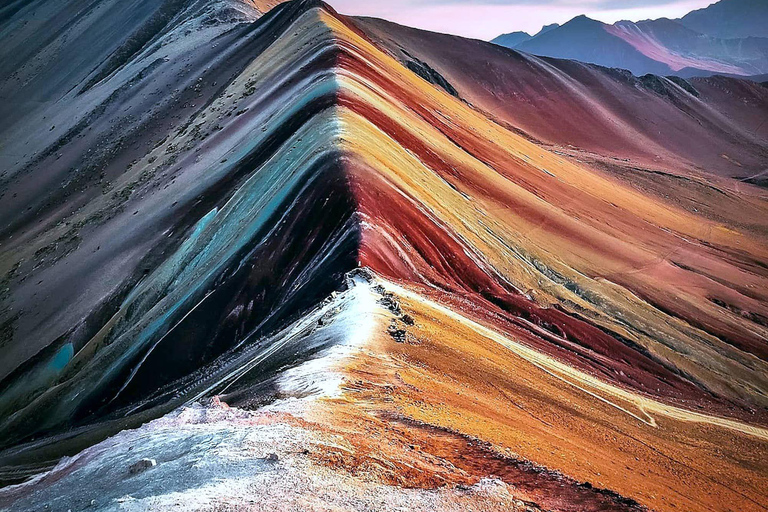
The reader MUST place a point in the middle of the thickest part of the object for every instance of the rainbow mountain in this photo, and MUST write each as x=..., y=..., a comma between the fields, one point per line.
x=280, y=253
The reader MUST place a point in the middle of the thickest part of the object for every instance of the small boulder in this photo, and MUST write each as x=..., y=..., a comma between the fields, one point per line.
x=141, y=465
x=399, y=335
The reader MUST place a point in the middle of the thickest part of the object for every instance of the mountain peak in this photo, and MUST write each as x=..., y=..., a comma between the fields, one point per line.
x=547, y=28
x=582, y=18
x=512, y=39
x=580, y=22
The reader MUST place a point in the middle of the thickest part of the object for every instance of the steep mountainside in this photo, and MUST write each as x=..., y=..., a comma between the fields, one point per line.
x=730, y=19
x=588, y=40
x=292, y=210
x=703, y=126
x=686, y=51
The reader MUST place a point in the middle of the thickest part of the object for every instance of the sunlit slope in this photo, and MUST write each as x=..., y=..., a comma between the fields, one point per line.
x=458, y=400
x=523, y=252
x=637, y=125
x=606, y=277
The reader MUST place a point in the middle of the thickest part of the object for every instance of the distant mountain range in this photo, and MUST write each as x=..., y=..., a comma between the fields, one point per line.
x=514, y=38
x=729, y=19
x=729, y=37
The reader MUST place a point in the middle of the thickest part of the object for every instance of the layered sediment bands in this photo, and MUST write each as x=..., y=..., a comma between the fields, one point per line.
x=547, y=309
x=478, y=215
x=269, y=255
x=599, y=112
x=278, y=232
x=451, y=373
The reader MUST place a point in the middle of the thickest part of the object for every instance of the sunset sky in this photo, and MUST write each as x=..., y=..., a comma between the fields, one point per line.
x=486, y=19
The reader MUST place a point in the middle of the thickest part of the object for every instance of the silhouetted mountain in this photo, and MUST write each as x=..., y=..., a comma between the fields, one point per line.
x=547, y=28
x=512, y=39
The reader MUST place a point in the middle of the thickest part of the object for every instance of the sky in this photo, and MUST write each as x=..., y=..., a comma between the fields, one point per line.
x=486, y=19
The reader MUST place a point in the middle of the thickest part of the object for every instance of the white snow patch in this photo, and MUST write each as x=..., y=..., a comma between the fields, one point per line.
x=355, y=319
